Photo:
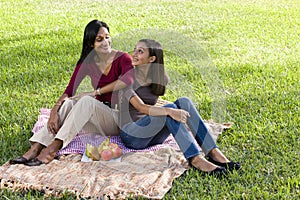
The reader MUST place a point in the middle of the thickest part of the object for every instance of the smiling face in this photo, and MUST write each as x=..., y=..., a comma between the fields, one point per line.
x=102, y=42
x=140, y=55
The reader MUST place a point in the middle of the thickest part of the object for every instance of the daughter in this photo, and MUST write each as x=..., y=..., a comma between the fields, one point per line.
x=144, y=125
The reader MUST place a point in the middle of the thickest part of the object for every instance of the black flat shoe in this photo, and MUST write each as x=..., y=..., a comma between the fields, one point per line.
x=19, y=160
x=229, y=166
x=34, y=162
x=218, y=172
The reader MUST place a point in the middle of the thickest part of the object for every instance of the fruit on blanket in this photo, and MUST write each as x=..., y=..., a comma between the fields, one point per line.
x=116, y=150
x=88, y=150
x=108, y=150
x=106, y=154
x=105, y=143
x=95, y=154
x=113, y=145
x=92, y=152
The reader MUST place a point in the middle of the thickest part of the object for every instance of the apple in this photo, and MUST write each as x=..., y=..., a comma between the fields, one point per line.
x=116, y=152
x=115, y=149
x=106, y=154
x=108, y=150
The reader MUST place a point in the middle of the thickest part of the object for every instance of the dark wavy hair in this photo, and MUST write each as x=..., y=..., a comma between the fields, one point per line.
x=157, y=70
x=90, y=33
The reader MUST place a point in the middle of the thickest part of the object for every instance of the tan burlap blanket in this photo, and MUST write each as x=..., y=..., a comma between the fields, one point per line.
x=148, y=173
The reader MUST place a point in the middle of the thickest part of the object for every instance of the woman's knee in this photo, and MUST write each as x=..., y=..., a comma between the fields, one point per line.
x=171, y=105
x=87, y=101
x=69, y=103
x=184, y=102
x=66, y=107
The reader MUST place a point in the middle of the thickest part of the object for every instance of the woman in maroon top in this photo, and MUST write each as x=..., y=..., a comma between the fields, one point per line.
x=109, y=70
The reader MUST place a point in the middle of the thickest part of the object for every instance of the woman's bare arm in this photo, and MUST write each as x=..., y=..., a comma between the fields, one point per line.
x=177, y=114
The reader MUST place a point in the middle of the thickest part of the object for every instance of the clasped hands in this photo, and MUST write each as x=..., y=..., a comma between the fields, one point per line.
x=179, y=115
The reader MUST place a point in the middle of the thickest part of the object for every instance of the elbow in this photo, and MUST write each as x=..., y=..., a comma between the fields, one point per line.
x=130, y=81
x=127, y=82
x=128, y=78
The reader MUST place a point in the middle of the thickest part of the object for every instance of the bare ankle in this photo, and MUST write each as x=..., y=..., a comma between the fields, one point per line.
x=34, y=151
x=201, y=163
x=218, y=156
x=48, y=154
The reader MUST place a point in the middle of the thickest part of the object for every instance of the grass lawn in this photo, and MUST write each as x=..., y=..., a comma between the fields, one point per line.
x=238, y=60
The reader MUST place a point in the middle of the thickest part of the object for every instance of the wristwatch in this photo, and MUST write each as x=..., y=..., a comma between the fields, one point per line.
x=98, y=91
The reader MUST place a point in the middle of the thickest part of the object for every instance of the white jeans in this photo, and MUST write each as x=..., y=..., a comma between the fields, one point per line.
x=87, y=114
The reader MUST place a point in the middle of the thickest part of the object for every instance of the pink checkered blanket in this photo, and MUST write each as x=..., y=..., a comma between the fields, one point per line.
x=78, y=144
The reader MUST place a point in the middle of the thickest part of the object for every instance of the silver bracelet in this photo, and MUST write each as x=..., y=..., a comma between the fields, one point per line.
x=98, y=91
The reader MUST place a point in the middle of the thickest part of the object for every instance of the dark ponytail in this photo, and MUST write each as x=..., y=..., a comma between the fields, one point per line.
x=157, y=70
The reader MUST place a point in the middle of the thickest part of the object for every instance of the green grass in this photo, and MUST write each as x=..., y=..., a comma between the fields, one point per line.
x=254, y=49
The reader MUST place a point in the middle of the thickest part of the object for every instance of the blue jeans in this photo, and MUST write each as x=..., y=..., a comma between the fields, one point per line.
x=150, y=130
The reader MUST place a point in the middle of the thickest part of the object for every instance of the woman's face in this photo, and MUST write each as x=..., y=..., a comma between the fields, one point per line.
x=102, y=42
x=140, y=55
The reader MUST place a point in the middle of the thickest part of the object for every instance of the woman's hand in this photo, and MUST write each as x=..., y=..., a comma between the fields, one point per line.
x=179, y=115
x=53, y=122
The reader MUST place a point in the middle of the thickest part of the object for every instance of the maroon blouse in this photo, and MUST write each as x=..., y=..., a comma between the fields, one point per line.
x=121, y=69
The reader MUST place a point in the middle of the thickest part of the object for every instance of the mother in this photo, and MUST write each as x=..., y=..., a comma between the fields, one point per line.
x=109, y=70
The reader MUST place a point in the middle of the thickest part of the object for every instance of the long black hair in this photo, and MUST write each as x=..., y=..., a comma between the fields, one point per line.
x=90, y=33
x=157, y=70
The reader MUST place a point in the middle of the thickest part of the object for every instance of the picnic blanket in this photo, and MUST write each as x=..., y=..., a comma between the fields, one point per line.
x=146, y=173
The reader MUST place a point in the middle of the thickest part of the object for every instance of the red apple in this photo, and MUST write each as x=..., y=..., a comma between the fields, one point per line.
x=106, y=154
x=116, y=152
